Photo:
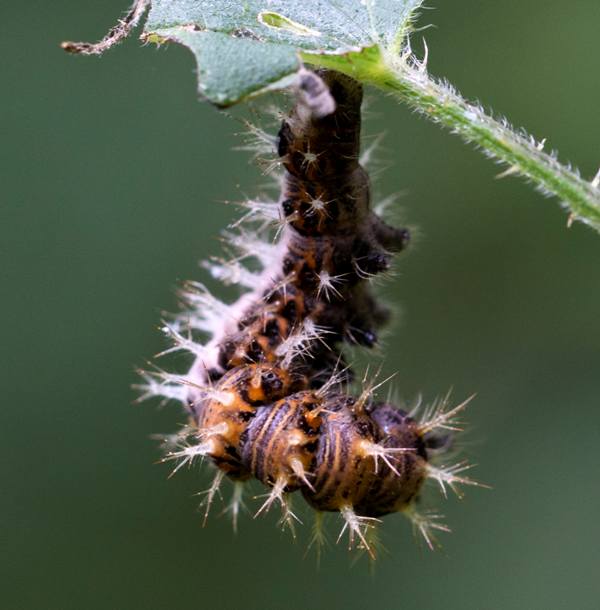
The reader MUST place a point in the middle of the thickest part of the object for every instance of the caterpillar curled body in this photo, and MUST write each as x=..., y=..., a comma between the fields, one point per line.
x=266, y=395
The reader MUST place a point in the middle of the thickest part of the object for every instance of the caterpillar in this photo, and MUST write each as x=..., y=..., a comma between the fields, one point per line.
x=267, y=394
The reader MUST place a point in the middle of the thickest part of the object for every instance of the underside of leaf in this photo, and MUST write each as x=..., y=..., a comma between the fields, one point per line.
x=243, y=48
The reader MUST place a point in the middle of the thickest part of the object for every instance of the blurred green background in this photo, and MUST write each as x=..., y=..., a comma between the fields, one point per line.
x=111, y=178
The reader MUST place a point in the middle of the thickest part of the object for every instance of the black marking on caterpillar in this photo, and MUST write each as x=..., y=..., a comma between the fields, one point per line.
x=266, y=395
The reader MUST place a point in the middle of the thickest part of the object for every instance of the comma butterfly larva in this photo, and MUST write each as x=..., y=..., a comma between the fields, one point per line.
x=267, y=395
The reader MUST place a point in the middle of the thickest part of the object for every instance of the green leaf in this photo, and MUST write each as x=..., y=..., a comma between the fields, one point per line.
x=245, y=47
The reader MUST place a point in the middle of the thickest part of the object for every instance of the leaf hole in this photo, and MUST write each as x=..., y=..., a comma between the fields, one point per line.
x=280, y=22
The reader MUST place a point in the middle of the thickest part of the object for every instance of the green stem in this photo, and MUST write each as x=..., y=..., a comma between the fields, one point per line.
x=407, y=79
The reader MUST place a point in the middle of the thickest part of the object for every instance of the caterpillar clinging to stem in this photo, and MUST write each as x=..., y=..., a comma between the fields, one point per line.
x=267, y=395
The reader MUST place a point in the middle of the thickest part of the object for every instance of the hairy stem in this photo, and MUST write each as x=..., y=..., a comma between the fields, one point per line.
x=407, y=78
x=116, y=34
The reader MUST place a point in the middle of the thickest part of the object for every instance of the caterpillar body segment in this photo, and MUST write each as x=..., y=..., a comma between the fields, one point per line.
x=225, y=417
x=397, y=484
x=281, y=440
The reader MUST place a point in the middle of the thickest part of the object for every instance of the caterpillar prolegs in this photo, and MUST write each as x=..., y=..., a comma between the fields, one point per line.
x=267, y=396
